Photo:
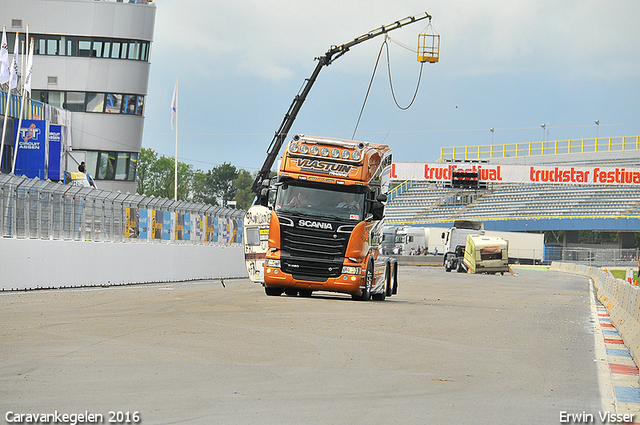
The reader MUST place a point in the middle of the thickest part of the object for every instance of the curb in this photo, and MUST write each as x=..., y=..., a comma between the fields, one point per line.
x=621, y=300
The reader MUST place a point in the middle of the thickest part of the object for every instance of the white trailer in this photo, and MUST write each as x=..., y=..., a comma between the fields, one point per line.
x=428, y=238
x=523, y=247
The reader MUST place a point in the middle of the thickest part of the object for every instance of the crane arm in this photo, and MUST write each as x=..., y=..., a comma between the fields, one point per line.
x=327, y=59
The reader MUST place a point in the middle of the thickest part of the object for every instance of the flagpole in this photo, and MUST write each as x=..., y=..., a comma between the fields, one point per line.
x=13, y=72
x=22, y=102
x=4, y=73
x=4, y=124
x=175, y=196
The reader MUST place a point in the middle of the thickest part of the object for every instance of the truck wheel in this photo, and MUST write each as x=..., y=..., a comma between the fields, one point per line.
x=382, y=295
x=368, y=282
x=273, y=292
x=390, y=281
x=292, y=292
x=306, y=293
x=395, y=279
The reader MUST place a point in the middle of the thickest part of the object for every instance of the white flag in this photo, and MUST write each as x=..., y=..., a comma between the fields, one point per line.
x=13, y=71
x=4, y=58
x=174, y=105
x=27, y=80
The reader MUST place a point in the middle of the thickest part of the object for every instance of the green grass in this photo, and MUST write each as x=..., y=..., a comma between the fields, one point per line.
x=621, y=274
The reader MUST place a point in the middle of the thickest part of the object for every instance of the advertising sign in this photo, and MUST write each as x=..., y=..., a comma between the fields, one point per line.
x=30, y=159
x=143, y=223
x=56, y=153
x=166, y=225
x=527, y=174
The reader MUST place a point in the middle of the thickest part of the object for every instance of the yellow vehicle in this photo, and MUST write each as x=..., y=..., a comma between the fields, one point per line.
x=486, y=254
x=325, y=226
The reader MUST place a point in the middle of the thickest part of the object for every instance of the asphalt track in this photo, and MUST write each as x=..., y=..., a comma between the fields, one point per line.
x=449, y=348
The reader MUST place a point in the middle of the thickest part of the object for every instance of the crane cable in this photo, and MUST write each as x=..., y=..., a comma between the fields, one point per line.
x=391, y=82
x=368, y=89
x=375, y=68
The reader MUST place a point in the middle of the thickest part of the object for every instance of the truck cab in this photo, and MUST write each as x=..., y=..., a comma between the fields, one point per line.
x=455, y=240
x=326, y=221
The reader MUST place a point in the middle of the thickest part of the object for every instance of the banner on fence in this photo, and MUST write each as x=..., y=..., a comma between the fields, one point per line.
x=529, y=174
x=131, y=223
x=56, y=153
x=30, y=155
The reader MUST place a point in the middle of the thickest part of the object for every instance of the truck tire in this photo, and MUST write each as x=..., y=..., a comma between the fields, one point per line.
x=291, y=292
x=273, y=292
x=394, y=291
x=387, y=275
x=390, y=281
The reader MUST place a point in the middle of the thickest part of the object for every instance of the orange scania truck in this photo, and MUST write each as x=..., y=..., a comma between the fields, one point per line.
x=326, y=220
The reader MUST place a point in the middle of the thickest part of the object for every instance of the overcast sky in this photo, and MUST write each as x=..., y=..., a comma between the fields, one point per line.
x=507, y=65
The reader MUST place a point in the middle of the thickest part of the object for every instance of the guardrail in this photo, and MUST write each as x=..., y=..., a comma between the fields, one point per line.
x=42, y=209
x=621, y=299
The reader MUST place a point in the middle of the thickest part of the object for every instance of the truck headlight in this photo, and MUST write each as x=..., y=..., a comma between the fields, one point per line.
x=273, y=263
x=350, y=270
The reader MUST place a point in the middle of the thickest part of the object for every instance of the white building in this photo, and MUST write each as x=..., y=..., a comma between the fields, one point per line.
x=92, y=58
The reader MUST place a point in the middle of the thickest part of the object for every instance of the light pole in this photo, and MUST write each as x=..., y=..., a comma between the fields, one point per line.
x=492, y=130
x=597, y=129
x=544, y=126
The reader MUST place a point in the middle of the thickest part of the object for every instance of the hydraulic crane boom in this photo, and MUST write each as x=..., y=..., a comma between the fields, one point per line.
x=331, y=55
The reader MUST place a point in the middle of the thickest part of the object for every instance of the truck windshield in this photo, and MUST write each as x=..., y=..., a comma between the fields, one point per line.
x=320, y=202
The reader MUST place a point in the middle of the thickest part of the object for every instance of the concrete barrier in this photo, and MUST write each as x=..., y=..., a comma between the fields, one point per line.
x=621, y=299
x=35, y=264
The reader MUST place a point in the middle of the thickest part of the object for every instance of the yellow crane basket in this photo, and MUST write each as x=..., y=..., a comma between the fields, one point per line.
x=429, y=46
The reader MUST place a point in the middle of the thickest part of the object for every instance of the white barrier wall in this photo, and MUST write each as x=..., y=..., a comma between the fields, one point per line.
x=34, y=263
x=621, y=299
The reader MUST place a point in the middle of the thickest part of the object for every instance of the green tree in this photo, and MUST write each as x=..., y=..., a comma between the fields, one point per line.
x=156, y=176
x=203, y=188
x=222, y=177
x=244, y=195
x=146, y=158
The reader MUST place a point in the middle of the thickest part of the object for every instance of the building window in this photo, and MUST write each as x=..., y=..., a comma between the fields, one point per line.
x=75, y=101
x=133, y=167
x=112, y=165
x=111, y=103
x=95, y=102
x=114, y=103
x=108, y=48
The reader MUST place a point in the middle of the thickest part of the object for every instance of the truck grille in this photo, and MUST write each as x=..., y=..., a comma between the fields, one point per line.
x=312, y=254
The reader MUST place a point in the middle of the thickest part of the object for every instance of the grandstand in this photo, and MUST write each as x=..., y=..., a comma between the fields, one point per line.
x=526, y=206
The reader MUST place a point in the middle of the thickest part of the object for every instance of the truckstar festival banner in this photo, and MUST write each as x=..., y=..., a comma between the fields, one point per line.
x=491, y=173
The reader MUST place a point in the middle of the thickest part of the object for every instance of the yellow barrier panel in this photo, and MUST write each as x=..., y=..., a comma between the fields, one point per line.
x=571, y=146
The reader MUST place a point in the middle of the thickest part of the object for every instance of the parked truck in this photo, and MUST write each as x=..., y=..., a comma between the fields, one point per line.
x=427, y=238
x=455, y=240
x=486, y=254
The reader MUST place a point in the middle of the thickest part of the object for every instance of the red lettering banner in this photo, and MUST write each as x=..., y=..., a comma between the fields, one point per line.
x=491, y=173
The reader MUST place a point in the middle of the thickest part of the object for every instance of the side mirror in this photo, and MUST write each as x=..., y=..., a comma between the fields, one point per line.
x=377, y=210
x=382, y=198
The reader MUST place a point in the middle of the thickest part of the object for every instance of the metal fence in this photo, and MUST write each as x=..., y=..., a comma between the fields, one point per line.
x=42, y=209
x=605, y=257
